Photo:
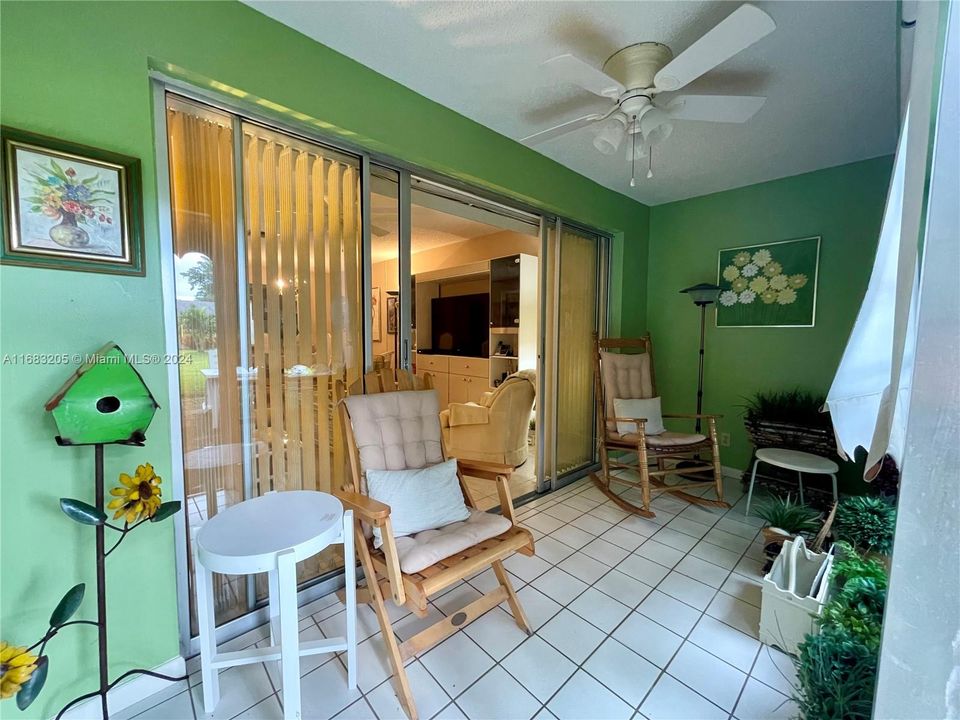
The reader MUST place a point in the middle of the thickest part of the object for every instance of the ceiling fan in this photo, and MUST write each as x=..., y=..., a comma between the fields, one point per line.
x=634, y=76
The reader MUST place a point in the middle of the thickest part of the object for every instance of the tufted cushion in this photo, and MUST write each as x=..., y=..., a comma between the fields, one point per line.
x=396, y=430
x=425, y=548
x=625, y=376
x=664, y=439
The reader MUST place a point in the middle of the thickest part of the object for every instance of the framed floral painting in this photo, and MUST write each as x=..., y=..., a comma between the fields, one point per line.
x=771, y=285
x=70, y=207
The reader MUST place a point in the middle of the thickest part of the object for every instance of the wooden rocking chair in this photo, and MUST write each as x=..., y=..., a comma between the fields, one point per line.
x=393, y=570
x=628, y=374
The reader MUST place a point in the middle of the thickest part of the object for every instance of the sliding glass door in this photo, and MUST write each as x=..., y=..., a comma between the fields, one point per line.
x=295, y=266
x=266, y=241
x=575, y=285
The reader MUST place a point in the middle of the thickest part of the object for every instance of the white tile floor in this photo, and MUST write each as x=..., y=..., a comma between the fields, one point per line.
x=633, y=619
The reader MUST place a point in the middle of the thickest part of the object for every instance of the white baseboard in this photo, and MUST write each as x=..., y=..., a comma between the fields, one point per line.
x=129, y=692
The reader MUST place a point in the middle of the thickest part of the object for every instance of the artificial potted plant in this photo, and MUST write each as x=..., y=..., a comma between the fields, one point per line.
x=785, y=519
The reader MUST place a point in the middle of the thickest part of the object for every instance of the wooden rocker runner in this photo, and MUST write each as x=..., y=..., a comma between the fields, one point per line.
x=393, y=423
x=623, y=370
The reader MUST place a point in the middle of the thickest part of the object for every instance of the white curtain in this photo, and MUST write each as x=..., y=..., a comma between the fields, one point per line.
x=869, y=397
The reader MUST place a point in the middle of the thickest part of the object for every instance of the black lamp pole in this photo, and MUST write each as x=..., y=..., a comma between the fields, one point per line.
x=703, y=294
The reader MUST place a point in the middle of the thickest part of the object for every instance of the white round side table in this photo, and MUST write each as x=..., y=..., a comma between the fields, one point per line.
x=271, y=534
x=802, y=462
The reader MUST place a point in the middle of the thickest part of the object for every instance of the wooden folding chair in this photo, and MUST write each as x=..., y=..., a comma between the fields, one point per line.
x=623, y=369
x=364, y=416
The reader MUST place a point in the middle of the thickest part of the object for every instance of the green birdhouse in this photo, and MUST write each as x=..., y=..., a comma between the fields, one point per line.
x=104, y=401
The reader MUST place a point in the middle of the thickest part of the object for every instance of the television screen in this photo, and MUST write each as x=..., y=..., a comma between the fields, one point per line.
x=460, y=325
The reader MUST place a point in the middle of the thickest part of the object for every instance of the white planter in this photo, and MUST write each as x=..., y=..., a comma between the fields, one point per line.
x=794, y=592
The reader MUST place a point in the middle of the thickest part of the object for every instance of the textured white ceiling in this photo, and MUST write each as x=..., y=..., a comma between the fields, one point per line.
x=828, y=71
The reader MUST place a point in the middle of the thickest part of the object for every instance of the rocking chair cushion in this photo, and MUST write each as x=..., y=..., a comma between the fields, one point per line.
x=625, y=376
x=663, y=440
x=422, y=550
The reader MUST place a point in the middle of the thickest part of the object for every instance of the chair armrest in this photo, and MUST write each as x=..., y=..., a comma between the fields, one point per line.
x=484, y=470
x=494, y=472
x=378, y=514
x=467, y=414
x=367, y=508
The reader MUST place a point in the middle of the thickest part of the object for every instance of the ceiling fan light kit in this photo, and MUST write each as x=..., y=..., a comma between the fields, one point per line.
x=633, y=77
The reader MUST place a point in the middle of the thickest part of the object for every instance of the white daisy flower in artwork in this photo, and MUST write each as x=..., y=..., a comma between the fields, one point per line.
x=769, y=297
x=739, y=285
x=787, y=296
x=759, y=284
x=749, y=270
x=779, y=282
x=761, y=257
x=747, y=297
x=741, y=258
x=798, y=281
x=772, y=268
x=731, y=273
x=728, y=298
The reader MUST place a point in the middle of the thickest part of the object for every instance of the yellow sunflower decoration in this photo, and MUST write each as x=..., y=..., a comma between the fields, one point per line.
x=16, y=667
x=138, y=496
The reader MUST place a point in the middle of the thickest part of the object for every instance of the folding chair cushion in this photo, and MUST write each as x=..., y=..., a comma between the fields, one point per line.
x=396, y=430
x=626, y=376
x=422, y=550
x=663, y=440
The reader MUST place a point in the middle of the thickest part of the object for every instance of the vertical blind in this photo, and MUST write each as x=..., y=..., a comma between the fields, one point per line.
x=269, y=315
x=577, y=308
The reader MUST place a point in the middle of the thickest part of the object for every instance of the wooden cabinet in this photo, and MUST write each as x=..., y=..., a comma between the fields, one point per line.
x=464, y=388
x=473, y=367
x=456, y=379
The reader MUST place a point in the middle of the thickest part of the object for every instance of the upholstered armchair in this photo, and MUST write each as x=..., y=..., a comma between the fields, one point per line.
x=495, y=430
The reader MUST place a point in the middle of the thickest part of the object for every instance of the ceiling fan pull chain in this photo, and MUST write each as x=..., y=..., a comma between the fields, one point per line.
x=633, y=159
x=650, y=163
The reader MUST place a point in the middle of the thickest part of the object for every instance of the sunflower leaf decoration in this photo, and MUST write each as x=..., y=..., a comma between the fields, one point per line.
x=137, y=497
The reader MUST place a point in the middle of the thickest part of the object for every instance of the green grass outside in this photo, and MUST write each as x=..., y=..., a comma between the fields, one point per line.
x=192, y=382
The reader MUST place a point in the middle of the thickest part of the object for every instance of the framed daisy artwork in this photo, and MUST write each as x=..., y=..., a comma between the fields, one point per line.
x=771, y=285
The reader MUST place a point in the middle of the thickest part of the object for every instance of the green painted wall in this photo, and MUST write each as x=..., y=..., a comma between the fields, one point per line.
x=80, y=71
x=844, y=205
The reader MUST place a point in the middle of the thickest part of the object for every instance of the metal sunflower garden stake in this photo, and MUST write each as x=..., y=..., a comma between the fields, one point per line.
x=104, y=402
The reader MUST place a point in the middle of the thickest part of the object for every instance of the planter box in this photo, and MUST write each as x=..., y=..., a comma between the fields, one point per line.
x=816, y=440
x=793, y=595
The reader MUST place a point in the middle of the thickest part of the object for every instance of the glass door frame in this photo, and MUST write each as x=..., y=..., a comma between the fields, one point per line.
x=409, y=175
x=552, y=230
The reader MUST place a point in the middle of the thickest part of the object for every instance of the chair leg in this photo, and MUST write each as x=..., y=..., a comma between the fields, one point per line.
x=717, y=468
x=643, y=468
x=401, y=683
x=515, y=607
x=753, y=479
x=836, y=497
x=800, y=481
x=605, y=465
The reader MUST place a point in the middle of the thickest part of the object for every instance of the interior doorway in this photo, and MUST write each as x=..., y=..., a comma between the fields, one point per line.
x=473, y=293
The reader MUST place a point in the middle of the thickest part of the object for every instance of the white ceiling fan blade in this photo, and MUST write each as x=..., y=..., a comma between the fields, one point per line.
x=570, y=68
x=562, y=129
x=714, y=108
x=741, y=29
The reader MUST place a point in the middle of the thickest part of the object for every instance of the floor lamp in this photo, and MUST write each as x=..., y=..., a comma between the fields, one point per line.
x=702, y=295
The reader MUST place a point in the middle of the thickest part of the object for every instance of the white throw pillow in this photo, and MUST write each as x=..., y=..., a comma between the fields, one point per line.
x=421, y=499
x=648, y=408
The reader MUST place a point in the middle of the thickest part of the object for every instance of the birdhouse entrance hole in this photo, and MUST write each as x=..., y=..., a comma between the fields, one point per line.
x=108, y=404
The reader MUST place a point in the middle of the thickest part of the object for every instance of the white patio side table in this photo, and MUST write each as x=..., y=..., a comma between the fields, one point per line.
x=271, y=534
x=801, y=462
